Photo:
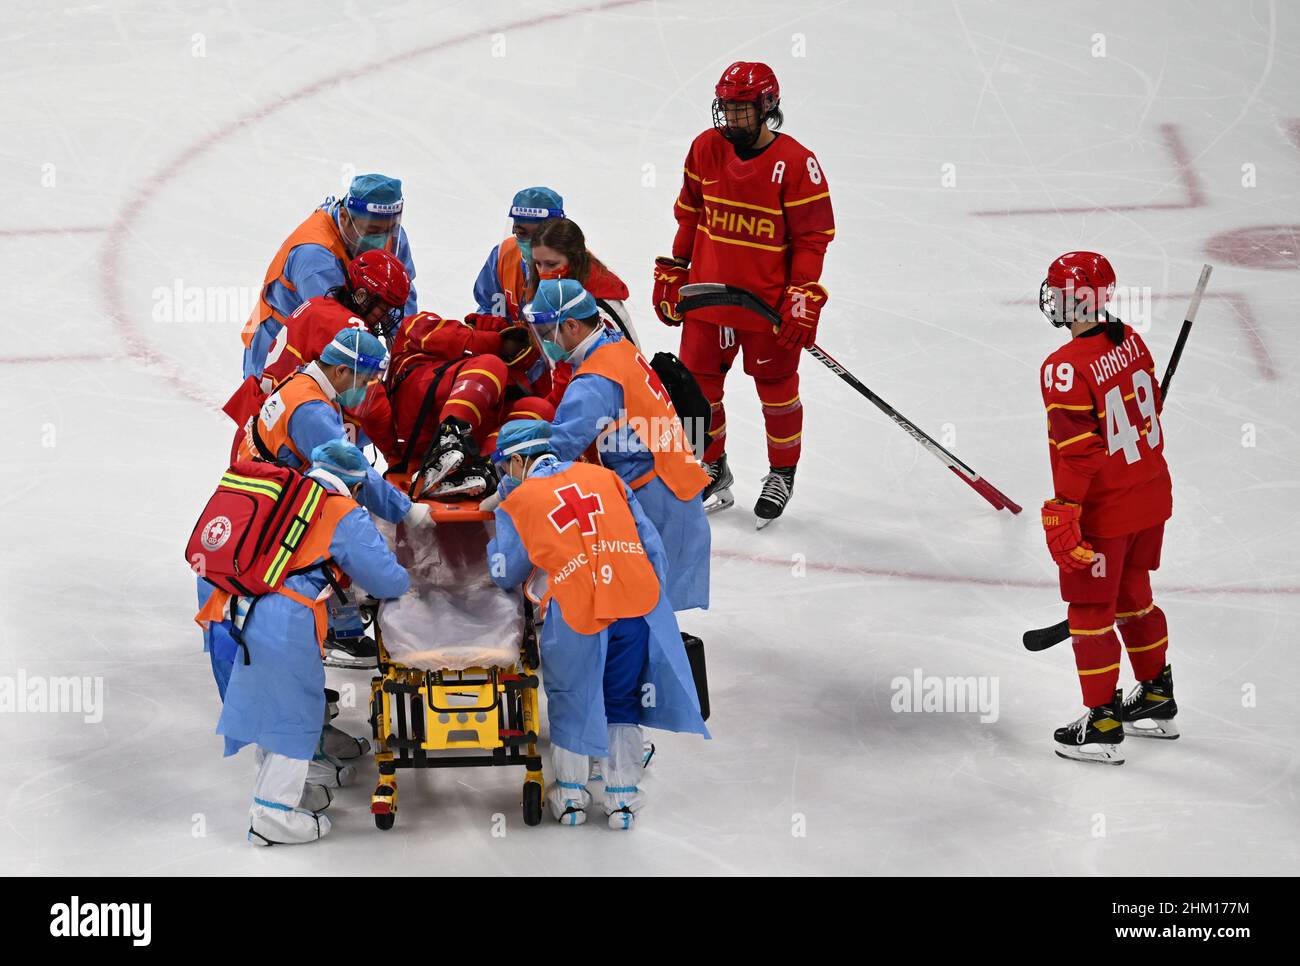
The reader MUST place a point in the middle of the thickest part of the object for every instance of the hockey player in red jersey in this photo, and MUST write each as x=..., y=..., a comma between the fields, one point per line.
x=1105, y=523
x=448, y=390
x=754, y=212
x=373, y=296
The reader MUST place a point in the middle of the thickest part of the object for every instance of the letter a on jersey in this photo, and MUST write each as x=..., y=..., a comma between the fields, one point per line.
x=575, y=507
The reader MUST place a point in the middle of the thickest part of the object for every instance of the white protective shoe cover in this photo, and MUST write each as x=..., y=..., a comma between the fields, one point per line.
x=330, y=772
x=567, y=796
x=275, y=818
x=338, y=744
x=315, y=798
x=276, y=825
x=623, y=799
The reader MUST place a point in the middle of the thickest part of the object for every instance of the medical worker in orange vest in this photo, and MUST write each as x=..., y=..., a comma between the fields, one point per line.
x=305, y=411
x=615, y=400
x=314, y=258
x=612, y=655
x=502, y=283
x=277, y=700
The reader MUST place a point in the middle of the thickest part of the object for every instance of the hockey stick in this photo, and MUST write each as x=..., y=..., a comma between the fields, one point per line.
x=701, y=295
x=1186, y=330
x=1040, y=639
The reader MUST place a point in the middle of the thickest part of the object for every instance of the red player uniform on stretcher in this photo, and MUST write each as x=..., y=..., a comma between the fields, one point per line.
x=450, y=378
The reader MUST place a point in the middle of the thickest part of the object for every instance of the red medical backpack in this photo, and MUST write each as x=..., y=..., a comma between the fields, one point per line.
x=251, y=527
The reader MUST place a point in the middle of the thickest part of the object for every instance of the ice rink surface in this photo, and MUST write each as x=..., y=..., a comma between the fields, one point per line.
x=157, y=146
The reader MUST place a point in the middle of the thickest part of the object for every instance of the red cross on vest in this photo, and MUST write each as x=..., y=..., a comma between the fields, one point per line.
x=575, y=507
x=651, y=377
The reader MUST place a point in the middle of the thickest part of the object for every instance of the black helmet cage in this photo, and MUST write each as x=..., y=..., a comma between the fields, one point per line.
x=1061, y=305
x=1051, y=303
x=360, y=301
x=769, y=110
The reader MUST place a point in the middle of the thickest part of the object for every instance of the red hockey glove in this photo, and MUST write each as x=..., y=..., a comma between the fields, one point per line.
x=800, y=310
x=486, y=321
x=670, y=276
x=1064, y=538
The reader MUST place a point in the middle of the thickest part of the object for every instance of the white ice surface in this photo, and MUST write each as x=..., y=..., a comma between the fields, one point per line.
x=170, y=168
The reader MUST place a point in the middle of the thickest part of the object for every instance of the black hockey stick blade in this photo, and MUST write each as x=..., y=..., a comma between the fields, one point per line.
x=1045, y=637
x=703, y=295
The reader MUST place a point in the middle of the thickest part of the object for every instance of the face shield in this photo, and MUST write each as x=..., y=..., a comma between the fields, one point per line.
x=368, y=226
x=544, y=324
x=367, y=373
x=525, y=221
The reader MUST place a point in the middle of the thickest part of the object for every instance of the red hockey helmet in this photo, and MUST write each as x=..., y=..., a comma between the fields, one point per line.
x=1075, y=279
x=748, y=82
x=378, y=279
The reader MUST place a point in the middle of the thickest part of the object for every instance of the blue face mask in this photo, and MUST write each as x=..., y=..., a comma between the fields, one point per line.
x=370, y=243
x=351, y=398
x=554, y=351
x=526, y=249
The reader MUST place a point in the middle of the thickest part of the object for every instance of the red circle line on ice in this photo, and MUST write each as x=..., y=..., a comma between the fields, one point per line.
x=138, y=346
x=110, y=256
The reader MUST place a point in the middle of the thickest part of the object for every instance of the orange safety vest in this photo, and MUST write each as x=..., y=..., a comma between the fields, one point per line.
x=270, y=426
x=650, y=412
x=318, y=229
x=313, y=550
x=510, y=275
x=577, y=528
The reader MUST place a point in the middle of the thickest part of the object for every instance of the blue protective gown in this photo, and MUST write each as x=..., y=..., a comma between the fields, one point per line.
x=311, y=424
x=589, y=404
x=487, y=287
x=314, y=423
x=573, y=664
x=313, y=270
x=278, y=699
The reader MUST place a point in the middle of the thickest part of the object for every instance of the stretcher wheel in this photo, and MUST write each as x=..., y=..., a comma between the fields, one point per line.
x=385, y=822
x=532, y=803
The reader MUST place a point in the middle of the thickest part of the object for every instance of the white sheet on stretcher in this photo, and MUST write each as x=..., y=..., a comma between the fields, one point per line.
x=453, y=616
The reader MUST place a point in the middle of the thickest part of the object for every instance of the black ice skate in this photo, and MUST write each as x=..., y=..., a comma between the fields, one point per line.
x=474, y=479
x=1149, y=709
x=351, y=653
x=717, y=495
x=1096, y=736
x=778, y=487
x=455, y=445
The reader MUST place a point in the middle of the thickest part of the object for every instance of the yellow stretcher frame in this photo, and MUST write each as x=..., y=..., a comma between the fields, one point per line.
x=430, y=719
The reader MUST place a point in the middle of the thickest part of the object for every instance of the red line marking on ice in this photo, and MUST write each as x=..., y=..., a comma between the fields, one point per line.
x=1182, y=166
x=110, y=259
x=64, y=357
x=855, y=570
x=1241, y=305
x=28, y=232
